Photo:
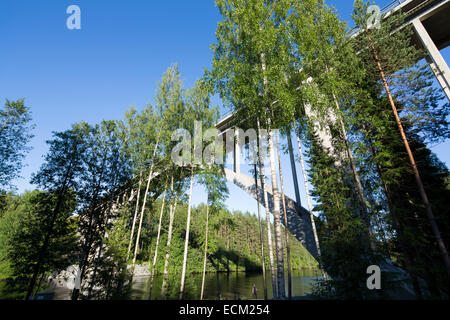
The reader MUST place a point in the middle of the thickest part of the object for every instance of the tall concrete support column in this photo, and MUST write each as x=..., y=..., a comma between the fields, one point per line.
x=294, y=170
x=236, y=153
x=438, y=74
x=435, y=59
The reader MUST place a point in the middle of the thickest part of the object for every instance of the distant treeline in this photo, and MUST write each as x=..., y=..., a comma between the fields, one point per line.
x=233, y=243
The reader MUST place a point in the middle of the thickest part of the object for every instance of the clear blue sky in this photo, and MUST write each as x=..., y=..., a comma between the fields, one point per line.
x=113, y=62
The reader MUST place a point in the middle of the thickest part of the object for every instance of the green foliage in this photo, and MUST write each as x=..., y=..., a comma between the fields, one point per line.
x=15, y=133
x=233, y=243
x=421, y=103
x=345, y=255
x=394, y=49
x=24, y=225
x=395, y=210
x=11, y=214
x=423, y=114
x=405, y=203
x=63, y=163
x=113, y=278
x=89, y=162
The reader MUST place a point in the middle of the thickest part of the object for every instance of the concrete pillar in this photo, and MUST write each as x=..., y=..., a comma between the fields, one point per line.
x=236, y=153
x=435, y=60
x=294, y=170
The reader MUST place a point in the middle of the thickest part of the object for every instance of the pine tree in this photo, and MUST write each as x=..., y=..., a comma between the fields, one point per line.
x=389, y=51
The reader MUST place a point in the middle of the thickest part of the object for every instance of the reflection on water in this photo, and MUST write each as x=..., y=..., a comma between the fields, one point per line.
x=228, y=285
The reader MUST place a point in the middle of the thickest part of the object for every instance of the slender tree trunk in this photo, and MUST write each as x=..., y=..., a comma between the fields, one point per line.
x=276, y=199
x=286, y=232
x=44, y=248
x=269, y=231
x=39, y=283
x=186, y=242
x=276, y=218
x=155, y=257
x=136, y=248
x=173, y=208
x=94, y=273
x=227, y=234
x=93, y=223
x=108, y=214
x=5, y=123
x=206, y=248
x=358, y=185
x=136, y=210
x=403, y=246
x=99, y=254
x=423, y=194
x=248, y=239
x=261, y=235
x=397, y=226
x=308, y=198
x=49, y=232
x=89, y=238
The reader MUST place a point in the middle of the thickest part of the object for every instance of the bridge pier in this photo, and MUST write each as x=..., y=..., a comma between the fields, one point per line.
x=299, y=219
x=434, y=58
x=294, y=170
x=236, y=153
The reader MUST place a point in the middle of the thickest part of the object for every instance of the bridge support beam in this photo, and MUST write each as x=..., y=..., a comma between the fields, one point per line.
x=236, y=153
x=294, y=170
x=434, y=59
x=299, y=219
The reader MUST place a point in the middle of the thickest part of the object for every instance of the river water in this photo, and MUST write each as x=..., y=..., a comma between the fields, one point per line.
x=227, y=285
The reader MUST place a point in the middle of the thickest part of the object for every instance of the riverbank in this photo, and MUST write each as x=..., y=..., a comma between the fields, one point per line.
x=218, y=285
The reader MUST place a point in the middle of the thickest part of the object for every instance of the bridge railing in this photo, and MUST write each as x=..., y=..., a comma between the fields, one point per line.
x=384, y=10
x=391, y=5
x=225, y=115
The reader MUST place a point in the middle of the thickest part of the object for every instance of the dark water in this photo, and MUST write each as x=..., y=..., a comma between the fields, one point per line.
x=228, y=285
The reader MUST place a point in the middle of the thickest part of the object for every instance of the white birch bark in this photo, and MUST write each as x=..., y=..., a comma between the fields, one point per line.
x=136, y=248
x=186, y=242
x=155, y=256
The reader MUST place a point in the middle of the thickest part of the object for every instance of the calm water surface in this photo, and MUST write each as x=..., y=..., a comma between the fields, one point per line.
x=227, y=285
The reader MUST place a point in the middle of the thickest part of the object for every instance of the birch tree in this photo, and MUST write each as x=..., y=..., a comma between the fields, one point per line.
x=15, y=133
x=246, y=71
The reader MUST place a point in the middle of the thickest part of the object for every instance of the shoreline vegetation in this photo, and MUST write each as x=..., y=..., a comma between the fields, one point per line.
x=233, y=247
x=230, y=272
